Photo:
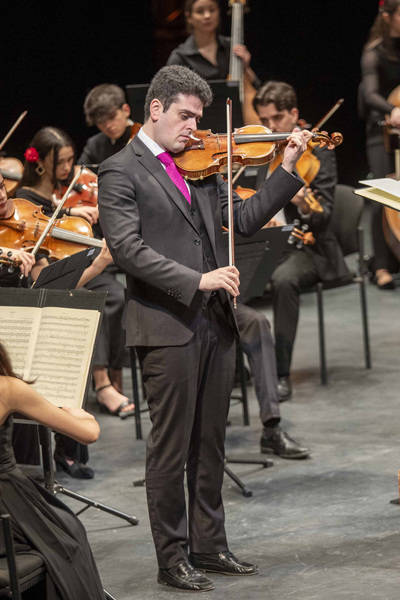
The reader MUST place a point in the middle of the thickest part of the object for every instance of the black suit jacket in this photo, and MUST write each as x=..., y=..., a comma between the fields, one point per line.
x=153, y=239
x=326, y=254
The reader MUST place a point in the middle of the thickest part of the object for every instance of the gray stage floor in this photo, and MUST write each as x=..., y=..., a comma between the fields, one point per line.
x=321, y=528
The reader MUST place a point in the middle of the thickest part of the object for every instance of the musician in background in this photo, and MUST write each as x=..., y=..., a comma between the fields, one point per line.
x=380, y=65
x=105, y=107
x=276, y=105
x=49, y=161
x=205, y=50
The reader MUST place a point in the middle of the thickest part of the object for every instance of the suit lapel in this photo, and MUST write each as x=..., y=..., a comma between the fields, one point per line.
x=204, y=205
x=153, y=165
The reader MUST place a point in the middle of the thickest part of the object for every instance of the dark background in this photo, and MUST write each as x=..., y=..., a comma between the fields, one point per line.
x=52, y=54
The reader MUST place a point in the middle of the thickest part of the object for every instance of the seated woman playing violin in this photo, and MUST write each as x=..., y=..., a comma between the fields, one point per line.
x=276, y=105
x=105, y=107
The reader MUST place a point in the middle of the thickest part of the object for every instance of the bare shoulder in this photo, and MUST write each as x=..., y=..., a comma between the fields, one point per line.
x=11, y=388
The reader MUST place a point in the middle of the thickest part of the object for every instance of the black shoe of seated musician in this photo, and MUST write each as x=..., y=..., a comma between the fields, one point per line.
x=225, y=563
x=185, y=577
x=277, y=441
x=284, y=389
x=77, y=469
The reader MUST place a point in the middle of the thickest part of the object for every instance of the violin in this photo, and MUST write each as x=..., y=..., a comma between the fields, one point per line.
x=11, y=169
x=206, y=153
x=23, y=228
x=236, y=67
x=307, y=167
x=84, y=192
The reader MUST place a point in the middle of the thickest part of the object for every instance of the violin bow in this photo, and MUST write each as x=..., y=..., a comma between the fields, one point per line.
x=329, y=114
x=13, y=128
x=231, y=232
x=55, y=214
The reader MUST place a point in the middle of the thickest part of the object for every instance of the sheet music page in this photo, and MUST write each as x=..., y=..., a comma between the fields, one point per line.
x=391, y=186
x=63, y=353
x=19, y=326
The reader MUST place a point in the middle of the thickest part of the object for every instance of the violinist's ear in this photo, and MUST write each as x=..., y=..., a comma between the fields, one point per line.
x=294, y=114
x=156, y=108
x=386, y=17
x=126, y=109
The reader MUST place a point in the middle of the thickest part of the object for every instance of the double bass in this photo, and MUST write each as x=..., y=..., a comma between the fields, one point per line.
x=236, y=67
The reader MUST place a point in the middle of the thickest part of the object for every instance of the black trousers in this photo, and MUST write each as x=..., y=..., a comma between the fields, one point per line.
x=188, y=389
x=293, y=275
x=110, y=349
x=257, y=343
x=380, y=164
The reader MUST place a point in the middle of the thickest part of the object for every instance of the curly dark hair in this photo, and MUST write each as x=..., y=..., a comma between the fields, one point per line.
x=172, y=81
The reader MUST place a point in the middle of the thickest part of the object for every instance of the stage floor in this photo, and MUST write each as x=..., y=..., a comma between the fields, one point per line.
x=320, y=528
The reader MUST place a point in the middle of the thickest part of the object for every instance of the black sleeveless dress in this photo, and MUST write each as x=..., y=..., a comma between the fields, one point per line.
x=40, y=521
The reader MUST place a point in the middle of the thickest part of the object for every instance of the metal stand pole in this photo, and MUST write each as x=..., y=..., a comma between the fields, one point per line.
x=54, y=488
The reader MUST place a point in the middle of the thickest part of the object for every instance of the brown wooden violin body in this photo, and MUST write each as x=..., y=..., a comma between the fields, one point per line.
x=84, y=193
x=11, y=169
x=22, y=230
x=206, y=152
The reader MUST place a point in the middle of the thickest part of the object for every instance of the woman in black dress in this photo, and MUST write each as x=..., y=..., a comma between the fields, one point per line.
x=39, y=520
x=206, y=51
x=380, y=66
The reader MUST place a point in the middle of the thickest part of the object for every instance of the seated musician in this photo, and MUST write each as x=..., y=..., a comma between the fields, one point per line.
x=50, y=161
x=276, y=105
x=205, y=51
x=105, y=107
x=41, y=523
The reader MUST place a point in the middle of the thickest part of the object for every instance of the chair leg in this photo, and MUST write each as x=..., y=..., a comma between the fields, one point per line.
x=12, y=568
x=321, y=329
x=364, y=315
x=363, y=298
x=246, y=420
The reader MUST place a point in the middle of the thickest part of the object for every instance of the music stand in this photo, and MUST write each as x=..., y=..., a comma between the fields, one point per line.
x=65, y=274
x=257, y=257
x=79, y=299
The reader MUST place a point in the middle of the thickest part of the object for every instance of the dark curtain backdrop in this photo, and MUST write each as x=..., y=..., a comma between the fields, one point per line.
x=54, y=53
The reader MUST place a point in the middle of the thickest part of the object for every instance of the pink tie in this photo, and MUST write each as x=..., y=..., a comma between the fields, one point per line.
x=176, y=177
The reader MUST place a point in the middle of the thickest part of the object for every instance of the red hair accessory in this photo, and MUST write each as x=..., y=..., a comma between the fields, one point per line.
x=31, y=155
x=381, y=3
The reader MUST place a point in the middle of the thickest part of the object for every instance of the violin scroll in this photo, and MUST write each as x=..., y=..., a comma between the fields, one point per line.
x=322, y=138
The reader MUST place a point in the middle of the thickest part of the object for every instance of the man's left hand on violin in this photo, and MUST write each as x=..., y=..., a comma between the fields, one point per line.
x=299, y=200
x=297, y=144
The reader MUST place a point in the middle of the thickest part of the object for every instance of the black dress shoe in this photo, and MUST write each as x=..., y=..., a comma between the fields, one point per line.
x=284, y=389
x=222, y=562
x=185, y=577
x=77, y=469
x=277, y=441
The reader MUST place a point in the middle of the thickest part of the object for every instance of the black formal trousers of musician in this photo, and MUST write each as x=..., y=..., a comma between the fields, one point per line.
x=258, y=345
x=302, y=268
x=185, y=338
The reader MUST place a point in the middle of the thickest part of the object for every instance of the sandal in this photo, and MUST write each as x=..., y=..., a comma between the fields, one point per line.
x=118, y=411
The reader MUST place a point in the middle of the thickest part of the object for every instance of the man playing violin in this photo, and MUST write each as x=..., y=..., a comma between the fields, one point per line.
x=276, y=105
x=105, y=107
x=166, y=234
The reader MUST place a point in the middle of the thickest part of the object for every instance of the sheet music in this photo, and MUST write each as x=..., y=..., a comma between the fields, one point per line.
x=391, y=186
x=19, y=327
x=63, y=353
